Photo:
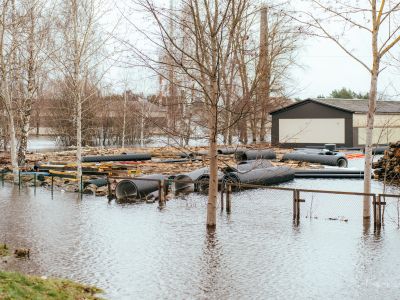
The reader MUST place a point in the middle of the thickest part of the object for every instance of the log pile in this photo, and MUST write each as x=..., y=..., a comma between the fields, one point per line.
x=388, y=166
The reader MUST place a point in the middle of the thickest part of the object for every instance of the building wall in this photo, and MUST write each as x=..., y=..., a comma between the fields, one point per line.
x=312, y=124
x=383, y=120
x=387, y=129
x=312, y=131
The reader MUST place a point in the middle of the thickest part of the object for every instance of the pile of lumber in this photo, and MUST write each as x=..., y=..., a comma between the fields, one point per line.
x=388, y=167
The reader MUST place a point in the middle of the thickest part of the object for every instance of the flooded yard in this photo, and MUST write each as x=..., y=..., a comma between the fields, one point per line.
x=138, y=251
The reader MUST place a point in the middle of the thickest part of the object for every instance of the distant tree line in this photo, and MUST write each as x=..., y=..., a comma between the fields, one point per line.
x=345, y=93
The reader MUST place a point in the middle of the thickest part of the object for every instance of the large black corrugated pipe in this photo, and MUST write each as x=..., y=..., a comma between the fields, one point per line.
x=133, y=188
x=266, y=176
x=378, y=150
x=330, y=147
x=196, y=180
x=199, y=153
x=335, y=159
x=230, y=150
x=122, y=157
x=248, y=165
x=255, y=154
x=187, y=181
x=203, y=182
x=97, y=182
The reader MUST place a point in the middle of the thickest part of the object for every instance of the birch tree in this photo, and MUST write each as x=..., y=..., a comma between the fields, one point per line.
x=376, y=19
x=34, y=39
x=79, y=57
x=8, y=53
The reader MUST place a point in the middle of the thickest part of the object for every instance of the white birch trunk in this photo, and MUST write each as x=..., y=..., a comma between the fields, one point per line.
x=79, y=142
x=13, y=150
x=368, y=141
x=371, y=115
x=124, y=121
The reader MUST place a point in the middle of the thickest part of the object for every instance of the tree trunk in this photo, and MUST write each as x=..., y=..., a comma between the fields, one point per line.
x=368, y=139
x=142, y=131
x=25, y=126
x=213, y=131
x=79, y=142
x=213, y=185
x=13, y=148
x=371, y=115
x=124, y=121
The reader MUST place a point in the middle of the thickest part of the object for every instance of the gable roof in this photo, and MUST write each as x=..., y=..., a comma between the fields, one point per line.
x=350, y=105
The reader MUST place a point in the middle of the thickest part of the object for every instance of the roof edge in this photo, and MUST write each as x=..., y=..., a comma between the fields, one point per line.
x=308, y=101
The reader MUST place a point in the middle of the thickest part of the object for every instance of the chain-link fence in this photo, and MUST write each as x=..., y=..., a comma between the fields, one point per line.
x=290, y=202
x=390, y=209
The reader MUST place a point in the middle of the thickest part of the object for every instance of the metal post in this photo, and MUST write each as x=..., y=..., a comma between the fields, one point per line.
x=52, y=183
x=2, y=179
x=374, y=210
x=108, y=188
x=19, y=179
x=298, y=204
x=222, y=196
x=379, y=211
x=294, y=205
x=228, y=198
x=161, y=195
x=34, y=182
x=165, y=190
x=81, y=187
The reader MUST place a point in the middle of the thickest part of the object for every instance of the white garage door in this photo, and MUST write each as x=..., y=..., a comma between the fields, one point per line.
x=319, y=131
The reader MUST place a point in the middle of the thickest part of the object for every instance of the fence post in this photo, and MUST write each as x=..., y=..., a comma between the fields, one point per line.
x=52, y=183
x=161, y=194
x=374, y=210
x=379, y=211
x=34, y=182
x=298, y=204
x=222, y=196
x=165, y=191
x=108, y=189
x=2, y=178
x=228, y=198
x=19, y=179
x=294, y=205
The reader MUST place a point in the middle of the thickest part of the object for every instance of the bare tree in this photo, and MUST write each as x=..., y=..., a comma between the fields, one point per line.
x=34, y=38
x=8, y=62
x=379, y=20
x=212, y=26
x=79, y=57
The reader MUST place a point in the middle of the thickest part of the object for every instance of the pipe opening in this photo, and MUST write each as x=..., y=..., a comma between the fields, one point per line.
x=126, y=189
x=342, y=163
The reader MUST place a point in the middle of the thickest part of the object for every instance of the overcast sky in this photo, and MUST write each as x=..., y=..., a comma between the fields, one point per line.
x=325, y=67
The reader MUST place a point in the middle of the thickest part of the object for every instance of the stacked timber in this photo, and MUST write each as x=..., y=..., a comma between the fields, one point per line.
x=388, y=166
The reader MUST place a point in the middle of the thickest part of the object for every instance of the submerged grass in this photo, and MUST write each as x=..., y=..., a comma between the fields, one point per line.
x=15, y=286
x=4, y=250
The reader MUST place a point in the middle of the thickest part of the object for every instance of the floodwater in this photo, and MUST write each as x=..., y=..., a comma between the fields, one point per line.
x=139, y=252
x=43, y=144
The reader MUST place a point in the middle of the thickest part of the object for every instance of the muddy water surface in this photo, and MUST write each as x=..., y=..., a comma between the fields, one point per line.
x=140, y=252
